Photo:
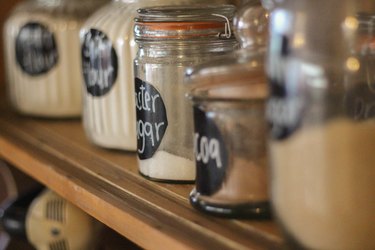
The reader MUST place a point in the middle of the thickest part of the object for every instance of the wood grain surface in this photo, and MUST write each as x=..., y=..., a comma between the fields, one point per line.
x=106, y=184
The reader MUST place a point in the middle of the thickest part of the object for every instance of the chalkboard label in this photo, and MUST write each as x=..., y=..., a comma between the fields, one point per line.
x=36, y=50
x=211, y=156
x=152, y=119
x=99, y=63
x=360, y=101
x=293, y=93
x=284, y=111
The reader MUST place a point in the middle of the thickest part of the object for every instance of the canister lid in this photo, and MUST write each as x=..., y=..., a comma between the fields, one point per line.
x=251, y=25
x=236, y=77
x=181, y=22
x=366, y=22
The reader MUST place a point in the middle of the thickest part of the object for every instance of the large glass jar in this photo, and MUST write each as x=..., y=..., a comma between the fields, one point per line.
x=108, y=52
x=42, y=56
x=171, y=39
x=322, y=137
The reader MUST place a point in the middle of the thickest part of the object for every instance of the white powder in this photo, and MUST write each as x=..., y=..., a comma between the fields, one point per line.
x=166, y=166
x=323, y=184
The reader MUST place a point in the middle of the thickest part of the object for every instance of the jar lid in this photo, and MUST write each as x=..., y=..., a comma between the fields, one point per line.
x=364, y=42
x=181, y=22
x=251, y=25
x=236, y=77
x=366, y=21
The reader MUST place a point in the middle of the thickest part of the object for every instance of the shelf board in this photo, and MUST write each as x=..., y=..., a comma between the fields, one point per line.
x=106, y=185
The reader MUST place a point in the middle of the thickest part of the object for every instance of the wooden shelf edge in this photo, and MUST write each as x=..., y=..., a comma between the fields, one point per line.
x=79, y=194
x=152, y=215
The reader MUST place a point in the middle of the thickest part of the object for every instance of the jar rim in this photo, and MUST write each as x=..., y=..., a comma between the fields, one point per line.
x=235, y=77
x=185, y=29
x=238, y=92
x=185, y=13
x=182, y=22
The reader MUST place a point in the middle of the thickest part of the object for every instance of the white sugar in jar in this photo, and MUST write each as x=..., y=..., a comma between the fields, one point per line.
x=42, y=56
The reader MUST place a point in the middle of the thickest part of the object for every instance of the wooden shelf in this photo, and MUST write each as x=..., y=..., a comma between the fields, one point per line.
x=106, y=185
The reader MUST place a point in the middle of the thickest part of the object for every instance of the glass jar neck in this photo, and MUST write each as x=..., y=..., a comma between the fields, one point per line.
x=185, y=48
x=59, y=2
x=296, y=30
x=183, y=22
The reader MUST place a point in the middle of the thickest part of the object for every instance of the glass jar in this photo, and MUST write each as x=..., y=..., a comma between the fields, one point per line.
x=323, y=190
x=108, y=52
x=42, y=56
x=228, y=97
x=230, y=137
x=170, y=40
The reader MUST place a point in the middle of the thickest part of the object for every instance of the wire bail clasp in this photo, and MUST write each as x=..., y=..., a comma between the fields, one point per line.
x=228, y=31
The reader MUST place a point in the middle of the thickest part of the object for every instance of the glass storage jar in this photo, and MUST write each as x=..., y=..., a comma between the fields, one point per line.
x=42, y=56
x=171, y=39
x=228, y=97
x=322, y=160
x=108, y=52
x=230, y=137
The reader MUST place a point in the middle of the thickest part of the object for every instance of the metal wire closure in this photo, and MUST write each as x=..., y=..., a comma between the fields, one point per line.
x=228, y=31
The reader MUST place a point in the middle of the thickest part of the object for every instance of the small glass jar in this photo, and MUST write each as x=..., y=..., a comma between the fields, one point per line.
x=108, y=53
x=322, y=131
x=230, y=137
x=171, y=39
x=229, y=97
x=42, y=56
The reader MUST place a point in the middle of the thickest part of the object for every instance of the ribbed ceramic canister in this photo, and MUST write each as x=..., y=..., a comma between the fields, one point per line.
x=42, y=56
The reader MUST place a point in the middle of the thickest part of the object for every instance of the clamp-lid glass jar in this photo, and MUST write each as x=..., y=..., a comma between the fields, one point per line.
x=108, y=53
x=171, y=39
x=42, y=56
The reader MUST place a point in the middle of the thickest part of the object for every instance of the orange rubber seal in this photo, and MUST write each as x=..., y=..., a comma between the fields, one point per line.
x=182, y=25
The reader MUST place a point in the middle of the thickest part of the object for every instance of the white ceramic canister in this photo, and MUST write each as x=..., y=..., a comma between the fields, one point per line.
x=108, y=51
x=42, y=56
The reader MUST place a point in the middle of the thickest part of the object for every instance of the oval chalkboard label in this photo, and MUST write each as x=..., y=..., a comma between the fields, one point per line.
x=152, y=119
x=36, y=50
x=359, y=101
x=99, y=63
x=211, y=155
x=284, y=111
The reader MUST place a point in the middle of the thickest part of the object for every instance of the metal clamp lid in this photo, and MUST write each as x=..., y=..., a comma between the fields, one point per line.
x=184, y=22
